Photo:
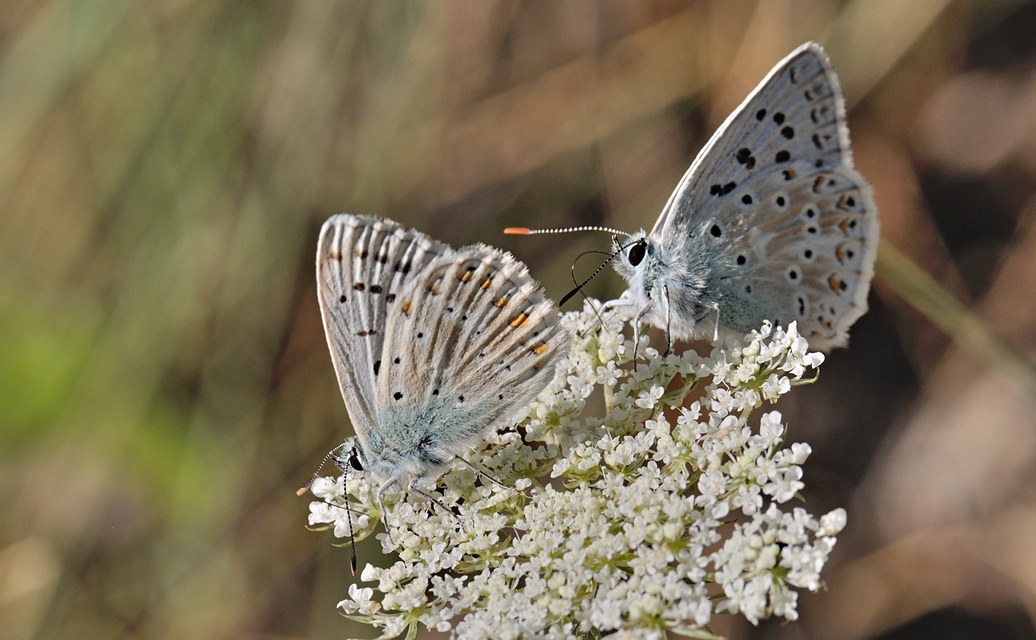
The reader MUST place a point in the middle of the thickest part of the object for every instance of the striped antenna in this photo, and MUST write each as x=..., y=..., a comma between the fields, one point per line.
x=525, y=231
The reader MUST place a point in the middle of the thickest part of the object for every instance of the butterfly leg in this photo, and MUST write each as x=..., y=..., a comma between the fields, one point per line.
x=381, y=505
x=483, y=473
x=414, y=489
x=668, y=321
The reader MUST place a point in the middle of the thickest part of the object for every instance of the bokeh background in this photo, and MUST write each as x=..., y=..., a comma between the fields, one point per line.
x=164, y=381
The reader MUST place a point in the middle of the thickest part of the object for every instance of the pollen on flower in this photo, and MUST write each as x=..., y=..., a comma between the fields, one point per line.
x=646, y=514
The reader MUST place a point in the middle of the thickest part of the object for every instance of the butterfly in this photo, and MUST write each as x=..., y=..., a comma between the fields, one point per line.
x=770, y=222
x=433, y=347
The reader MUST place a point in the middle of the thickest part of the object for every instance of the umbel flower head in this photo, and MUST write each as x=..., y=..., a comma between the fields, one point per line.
x=646, y=515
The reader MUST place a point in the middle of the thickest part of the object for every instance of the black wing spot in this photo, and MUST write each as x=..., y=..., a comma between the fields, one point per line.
x=420, y=334
x=780, y=201
x=342, y=298
x=782, y=156
x=746, y=199
x=377, y=367
x=358, y=286
x=460, y=398
x=716, y=231
x=391, y=297
x=398, y=395
x=778, y=118
x=788, y=132
x=760, y=114
x=808, y=254
x=741, y=259
x=435, y=392
x=375, y=288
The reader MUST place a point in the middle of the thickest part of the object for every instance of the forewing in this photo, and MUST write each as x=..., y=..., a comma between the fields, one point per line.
x=362, y=264
x=773, y=199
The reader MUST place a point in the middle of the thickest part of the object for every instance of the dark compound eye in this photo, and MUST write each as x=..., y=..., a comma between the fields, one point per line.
x=637, y=253
x=354, y=462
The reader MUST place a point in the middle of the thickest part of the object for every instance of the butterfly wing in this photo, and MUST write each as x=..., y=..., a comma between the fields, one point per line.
x=773, y=203
x=472, y=342
x=362, y=264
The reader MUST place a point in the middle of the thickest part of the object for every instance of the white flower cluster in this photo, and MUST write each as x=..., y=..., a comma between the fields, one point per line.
x=655, y=516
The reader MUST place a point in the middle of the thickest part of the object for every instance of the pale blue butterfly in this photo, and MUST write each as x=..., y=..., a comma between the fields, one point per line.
x=433, y=347
x=771, y=221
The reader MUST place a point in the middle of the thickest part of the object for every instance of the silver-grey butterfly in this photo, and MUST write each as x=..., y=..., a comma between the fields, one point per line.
x=771, y=221
x=433, y=347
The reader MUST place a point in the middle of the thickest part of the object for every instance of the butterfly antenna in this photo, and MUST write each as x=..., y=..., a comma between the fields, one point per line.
x=349, y=517
x=330, y=454
x=525, y=231
x=612, y=256
x=348, y=510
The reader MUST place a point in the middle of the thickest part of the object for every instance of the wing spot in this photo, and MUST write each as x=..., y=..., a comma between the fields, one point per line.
x=398, y=395
x=789, y=174
x=521, y=321
x=435, y=392
x=539, y=349
x=793, y=275
x=746, y=199
x=466, y=276
x=847, y=225
x=391, y=297
x=760, y=114
x=788, y=132
x=741, y=259
x=722, y=189
x=500, y=303
x=716, y=231
x=405, y=307
x=782, y=156
x=377, y=367
x=396, y=360
x=778, y=118
x=403, y=268
x=375, y=288
x=780, y=201
x=420, y=334
x=744, y=156
x=335, y=255
x=837, y=284
x=358, y=286
x=367, y=332
x=460, y=398
x=487, y=282
x=433, y=288
x=342, y=298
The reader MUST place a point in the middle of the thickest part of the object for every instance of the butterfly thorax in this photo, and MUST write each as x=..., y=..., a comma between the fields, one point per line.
x=659, y=282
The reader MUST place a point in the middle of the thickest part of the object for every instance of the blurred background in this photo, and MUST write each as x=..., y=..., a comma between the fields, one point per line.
x=165, y=385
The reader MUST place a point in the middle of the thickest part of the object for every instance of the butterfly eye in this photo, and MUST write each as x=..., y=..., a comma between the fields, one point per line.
x=637, y=253
x=354, y=462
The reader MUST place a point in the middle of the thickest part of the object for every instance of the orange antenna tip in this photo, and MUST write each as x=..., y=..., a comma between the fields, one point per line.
x=517, y=231
x=301, y=491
